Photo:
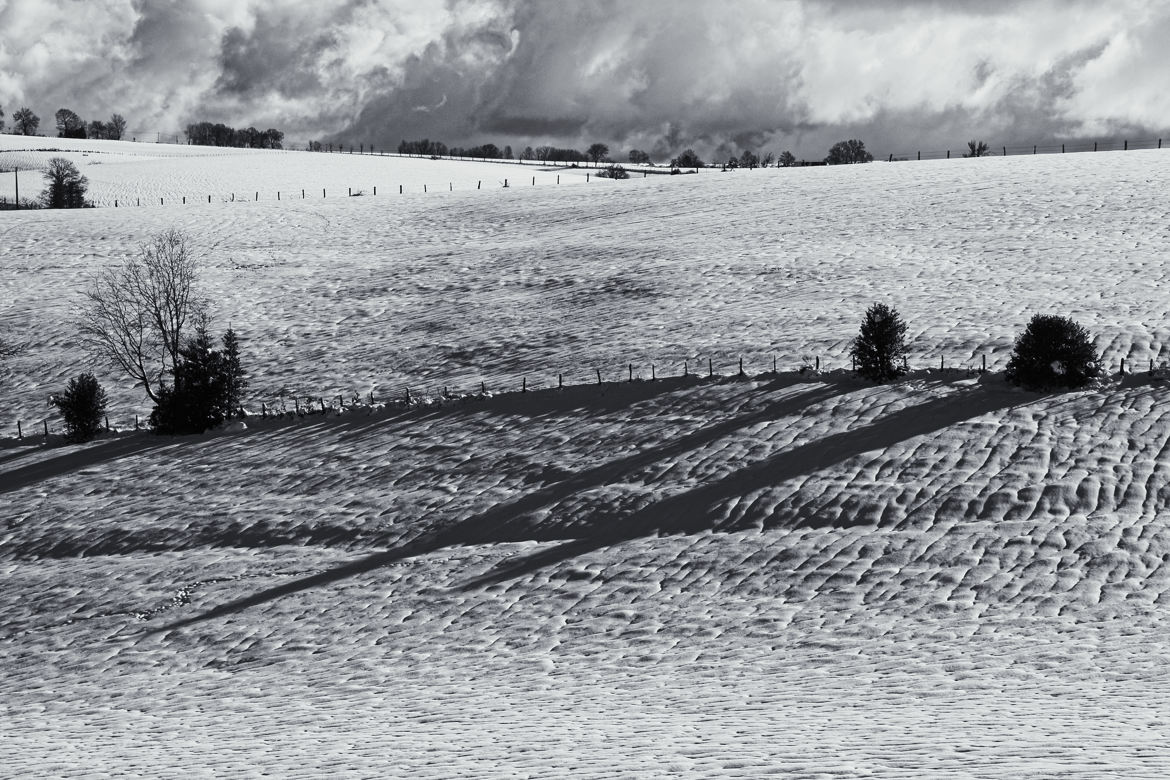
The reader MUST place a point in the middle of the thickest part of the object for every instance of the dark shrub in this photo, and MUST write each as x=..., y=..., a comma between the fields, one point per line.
x=880, y=347
x=82, y=405
x=613, y=172
x=1053, y=351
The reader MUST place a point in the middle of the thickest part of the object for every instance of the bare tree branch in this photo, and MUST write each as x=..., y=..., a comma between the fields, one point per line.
x=135, y=317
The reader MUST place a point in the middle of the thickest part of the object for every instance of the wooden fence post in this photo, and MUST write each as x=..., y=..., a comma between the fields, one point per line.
x=598, y=370
x=20, y=433
x=46, y=422
x=710, y=368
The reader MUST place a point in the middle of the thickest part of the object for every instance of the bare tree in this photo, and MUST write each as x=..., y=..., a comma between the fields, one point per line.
x=25, y=122
x=137, y=317
x=116, y=127
x=977, y=149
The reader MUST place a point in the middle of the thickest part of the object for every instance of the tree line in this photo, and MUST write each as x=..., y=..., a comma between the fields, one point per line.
x=69, y=124
x=219, y=134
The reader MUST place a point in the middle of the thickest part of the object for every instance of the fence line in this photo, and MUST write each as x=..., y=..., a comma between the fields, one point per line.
x=299, y=405
x=1014, y=150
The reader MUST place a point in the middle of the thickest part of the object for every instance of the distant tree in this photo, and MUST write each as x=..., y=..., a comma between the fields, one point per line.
x=69, y=124
x=508, y=153
x=1053, y=352
x=749, y=159
x=768, y=160
x=786, y=159
x=596, y=152
x=97, y=129
x=82, y=404
x=553, y=154
x=484, y=151
x=848, y=152
x=688, y=159
x=314, y=146
x=977, y=149
x=271, y=139
x=528, y=154
x=732, y=163
x=25, y=122
x=638, y=157
x=64, y=185
x=880, y=346
x=1, y=119
x=116, y=127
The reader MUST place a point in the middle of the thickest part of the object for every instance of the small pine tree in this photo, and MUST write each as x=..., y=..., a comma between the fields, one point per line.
x=1053, y=351
x=233, y=377
x=880, y=347
x=82, y=405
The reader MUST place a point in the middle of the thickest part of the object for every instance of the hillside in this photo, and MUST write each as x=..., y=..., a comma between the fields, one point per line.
x=794, y=574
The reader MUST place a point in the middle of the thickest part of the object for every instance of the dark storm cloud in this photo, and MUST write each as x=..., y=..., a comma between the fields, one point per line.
x=659, y=75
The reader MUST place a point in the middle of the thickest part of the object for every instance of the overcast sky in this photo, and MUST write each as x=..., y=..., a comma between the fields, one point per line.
x=659, y=75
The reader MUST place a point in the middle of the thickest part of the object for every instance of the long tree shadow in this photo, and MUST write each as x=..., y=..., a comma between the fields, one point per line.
x=691, y=511
x=505, y=522
x=102, y=452
x=687, y=512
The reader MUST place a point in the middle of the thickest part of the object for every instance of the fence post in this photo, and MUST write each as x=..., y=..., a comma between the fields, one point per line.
x=399, y=189
x=278, y=194
x=257, y=196
x=135, y=422
x=920, y=157
x=1033, y=148
x=375, y=189
x=710, y=369
x=1005, y=151
x=533, y=181
x=818, y=362
x=1062, y=148
x=586, y=177
x=479, y=184
x=322, y=192
x=741, y=366
x=598, y=370
x=46, y=422
x=686, y=368
x=1126, y=148
x=653, y=375
x=424, y=188
x=523, y=384
x=1094, y=146
x=107, y=422
x=350, y=191
x=302, y=193
x=948, y=154
x=20, y=433
x=773, y=364
x=560, y=381
x=984, y=369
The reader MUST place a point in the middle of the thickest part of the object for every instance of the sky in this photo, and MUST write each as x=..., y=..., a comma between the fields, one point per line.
x=718, y=76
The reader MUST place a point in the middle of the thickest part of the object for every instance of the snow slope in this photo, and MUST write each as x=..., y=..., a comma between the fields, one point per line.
x=349, y=295
x=797, y=575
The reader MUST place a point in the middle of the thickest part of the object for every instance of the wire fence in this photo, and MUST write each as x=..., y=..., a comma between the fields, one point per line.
x=1016, y=150
x=276, y=406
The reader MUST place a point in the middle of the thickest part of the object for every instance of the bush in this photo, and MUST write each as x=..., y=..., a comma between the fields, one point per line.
x=879, y=350
x=613, y=172
x=1053, y=351
x=848, y=153
x=82, y=405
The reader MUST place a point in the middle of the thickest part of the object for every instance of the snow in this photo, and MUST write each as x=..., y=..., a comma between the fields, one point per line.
x=793, y=574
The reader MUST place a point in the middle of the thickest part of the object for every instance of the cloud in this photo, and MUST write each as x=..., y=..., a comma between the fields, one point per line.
x=655, y=74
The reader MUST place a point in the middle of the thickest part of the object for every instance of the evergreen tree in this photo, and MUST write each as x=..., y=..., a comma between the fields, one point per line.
x=82, y=405
x=1053, y=351
x=233, y=376
x=880, y=346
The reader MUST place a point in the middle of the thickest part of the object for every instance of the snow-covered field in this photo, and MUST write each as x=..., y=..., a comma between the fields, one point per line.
x=796, y=575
